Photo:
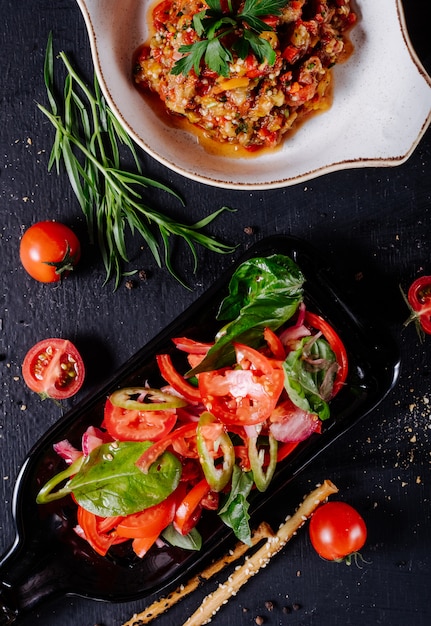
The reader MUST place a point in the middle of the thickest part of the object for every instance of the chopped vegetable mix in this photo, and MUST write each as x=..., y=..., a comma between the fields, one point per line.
x=213, y=433
x=244, y=73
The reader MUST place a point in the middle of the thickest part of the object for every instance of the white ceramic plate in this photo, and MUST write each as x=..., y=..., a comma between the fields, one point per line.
x=380, y=110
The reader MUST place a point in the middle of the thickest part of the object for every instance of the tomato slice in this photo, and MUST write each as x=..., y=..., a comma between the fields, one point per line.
x=149, y=522
x=337, y=347
x=131, y=425
x=246, y=394
x=53, y=368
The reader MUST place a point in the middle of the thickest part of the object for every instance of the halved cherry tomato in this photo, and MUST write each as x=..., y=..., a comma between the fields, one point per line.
x=53, y=368
x=419, y=298
x=132, y=425
x=49, y=250
x=176, y=380
x=246, y=394
x=337, y=531
x=337, y=347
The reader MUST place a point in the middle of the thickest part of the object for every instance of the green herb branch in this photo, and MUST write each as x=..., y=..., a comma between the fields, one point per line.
x=215, y=24
x=87, y=141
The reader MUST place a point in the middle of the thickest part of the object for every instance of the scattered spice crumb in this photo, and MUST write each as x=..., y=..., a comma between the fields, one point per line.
x=286, y=610
x=259, y=620
x=142, y=275
x=249, y=230
x=130, y=284
x=269, y=605
x=296, y=606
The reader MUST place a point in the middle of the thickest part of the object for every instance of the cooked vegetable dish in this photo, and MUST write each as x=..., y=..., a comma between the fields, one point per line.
x=244, y=73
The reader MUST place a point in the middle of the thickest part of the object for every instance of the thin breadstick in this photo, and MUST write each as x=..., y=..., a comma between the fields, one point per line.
x=211, y=603
x=263, y=531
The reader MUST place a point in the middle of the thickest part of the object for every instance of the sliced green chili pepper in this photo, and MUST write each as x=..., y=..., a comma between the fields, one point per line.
x=151, y=399
x=261, y=477
x=47, y=493
x=217, y=477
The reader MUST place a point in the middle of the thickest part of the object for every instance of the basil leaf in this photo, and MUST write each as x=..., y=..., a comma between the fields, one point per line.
x=309, y=374
x=263, y=292
x=109, y=483
x=234, y=512
x=191, y=541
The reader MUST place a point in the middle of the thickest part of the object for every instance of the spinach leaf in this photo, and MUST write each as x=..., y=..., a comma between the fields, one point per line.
x=309, y=374
x=191, y=541
x=109, y=483
x=234, y=511
x=263, y=292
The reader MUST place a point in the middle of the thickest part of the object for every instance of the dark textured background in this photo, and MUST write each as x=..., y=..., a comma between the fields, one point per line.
x=373, y=224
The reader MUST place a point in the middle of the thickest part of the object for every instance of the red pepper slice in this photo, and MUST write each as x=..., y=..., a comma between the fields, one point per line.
x=211, y=437
x=190, y=509
x=176, y=380
x=337, y=347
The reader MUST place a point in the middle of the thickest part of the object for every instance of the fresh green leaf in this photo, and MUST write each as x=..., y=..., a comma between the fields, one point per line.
x=309, y=375
x=217, y=57
x=215, y=24
x=234, y=511
x=191, y=541
x=261, y=47
x=263, y=7
x=109, y=483
x=263, y=292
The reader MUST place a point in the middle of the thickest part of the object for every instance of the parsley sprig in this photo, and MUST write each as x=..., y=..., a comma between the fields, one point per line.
x=214, y=25
x=88, y=141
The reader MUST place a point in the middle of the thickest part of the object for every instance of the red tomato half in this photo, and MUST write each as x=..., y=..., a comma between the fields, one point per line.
x=48, y=251
x=419, y=297
x=244, y=395
x=54, y=369
x=337, y=531
x=131, y=425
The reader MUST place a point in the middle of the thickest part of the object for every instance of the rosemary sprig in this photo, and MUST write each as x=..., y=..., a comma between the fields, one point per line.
x=214, y=24
x=87, y=141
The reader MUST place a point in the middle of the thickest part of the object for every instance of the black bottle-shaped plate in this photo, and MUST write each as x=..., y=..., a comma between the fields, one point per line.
x=48, y=558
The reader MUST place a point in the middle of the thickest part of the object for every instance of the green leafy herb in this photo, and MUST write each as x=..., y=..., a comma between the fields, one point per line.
x=234, y=512
x=215, y=24
x=309, y=375
x=191, y=541
x=87, y=140
x=107, y=481
x=263, y=292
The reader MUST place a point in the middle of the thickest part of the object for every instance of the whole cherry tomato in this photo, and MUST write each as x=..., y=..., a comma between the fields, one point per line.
x=337, y=531
x=53, y=368
x=49, y=250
